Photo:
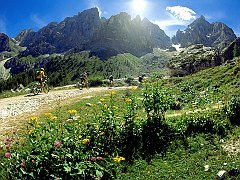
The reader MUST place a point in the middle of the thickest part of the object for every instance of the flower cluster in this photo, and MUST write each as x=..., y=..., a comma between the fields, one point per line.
x=86, y=141
x=118, y=159
x=51, y=116
x=72, y=112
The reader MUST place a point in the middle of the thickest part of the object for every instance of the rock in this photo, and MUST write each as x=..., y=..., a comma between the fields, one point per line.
x=222, y=175
x=217, y=35
x=206, y=168
x=4, y=43
x=102, y=37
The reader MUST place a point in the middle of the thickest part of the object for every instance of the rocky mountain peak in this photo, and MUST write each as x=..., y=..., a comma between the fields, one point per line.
x=200, y=31
x=4, y=42
x=103, y=37
x=22, y=35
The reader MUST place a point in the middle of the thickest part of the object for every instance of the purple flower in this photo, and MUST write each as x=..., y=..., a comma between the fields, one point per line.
x=99, y=158
x=57, y=144
x=93, y=159
x=7, y=154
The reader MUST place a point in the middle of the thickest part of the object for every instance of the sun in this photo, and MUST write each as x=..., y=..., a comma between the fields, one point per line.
x=139, y=6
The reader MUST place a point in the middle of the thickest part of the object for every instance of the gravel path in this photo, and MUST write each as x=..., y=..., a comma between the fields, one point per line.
x=15, y=109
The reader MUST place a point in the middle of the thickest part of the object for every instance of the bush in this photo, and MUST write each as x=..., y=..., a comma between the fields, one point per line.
x=232, y=109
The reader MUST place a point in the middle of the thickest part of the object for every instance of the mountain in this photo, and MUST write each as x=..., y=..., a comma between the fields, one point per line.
x=217, y=35
x=103, y=37
x=4, y=43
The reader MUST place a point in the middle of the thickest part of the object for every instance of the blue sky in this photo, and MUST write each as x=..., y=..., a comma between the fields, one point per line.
x=170, y=15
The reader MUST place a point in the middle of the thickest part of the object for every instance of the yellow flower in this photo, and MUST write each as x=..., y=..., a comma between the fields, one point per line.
x=30, y=131
x=34, y=118
x=105, y=106
x=134, y=88
x=115, y=107
x=79, y=136
x=119, y=159
x=72, y=112
x=102, y=133
x=85, y=141
x=102, y=99
x=112, y=93
x=50, y=116
x=128, y=100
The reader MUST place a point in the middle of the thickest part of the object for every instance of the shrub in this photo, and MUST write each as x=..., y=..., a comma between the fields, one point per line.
x=232, y=109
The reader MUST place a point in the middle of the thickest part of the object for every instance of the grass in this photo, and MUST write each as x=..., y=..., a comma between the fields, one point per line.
x=186, y=160
x=183, y=158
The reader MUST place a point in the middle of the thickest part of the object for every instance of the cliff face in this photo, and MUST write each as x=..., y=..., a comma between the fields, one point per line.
x=193, y=59
x=217, y=35
x=4, y=43
x=103, y=37
x=233, y=50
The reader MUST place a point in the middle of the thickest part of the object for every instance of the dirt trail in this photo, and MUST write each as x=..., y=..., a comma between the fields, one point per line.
x=15, y=111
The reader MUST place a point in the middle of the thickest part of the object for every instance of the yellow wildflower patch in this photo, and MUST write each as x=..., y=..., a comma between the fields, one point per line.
x=102, y=99
x=112, y=93
x=118, y=159
x=30, y=131
x=85, y=141
x=72, y=112
x=34, y=118
x=128, y=100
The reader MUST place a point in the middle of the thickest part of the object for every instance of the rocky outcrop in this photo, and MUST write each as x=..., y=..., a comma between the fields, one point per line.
x=193, y=59
x=217, y=35
x=233, y=50
x=4, y=43
x=103, y=37
x=22, y=35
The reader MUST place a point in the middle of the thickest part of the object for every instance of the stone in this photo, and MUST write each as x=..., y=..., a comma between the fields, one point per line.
x=222, y=175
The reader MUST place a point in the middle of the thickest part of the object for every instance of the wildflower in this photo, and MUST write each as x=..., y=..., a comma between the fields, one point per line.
x=34, y=119
x=128, y=100
x=102, y=99
x=119, y=159
x=72, y=112
x=112, y=93
x=51, y=116
x=105, y=106
x=85, y=141
x=30, y=131
x=102, y=133
x=134, y=88
x=57, y=144
x=79, y=136
x=93, y=105
x=7, y=155
x=99, y=158
x=115, y=107
x=33, y=161
x=93, y=159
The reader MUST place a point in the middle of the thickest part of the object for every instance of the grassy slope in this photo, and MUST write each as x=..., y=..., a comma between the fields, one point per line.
x=186, y=160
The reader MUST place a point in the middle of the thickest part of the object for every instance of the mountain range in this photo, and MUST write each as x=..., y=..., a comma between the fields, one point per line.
x=105, y=38
x=126, y=46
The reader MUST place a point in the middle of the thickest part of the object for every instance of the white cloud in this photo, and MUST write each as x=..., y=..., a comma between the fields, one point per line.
x=3, y=27
x=182, y=13
x=37, y=20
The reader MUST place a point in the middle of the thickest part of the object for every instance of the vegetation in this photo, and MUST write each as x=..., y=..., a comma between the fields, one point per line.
x=170, y=129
